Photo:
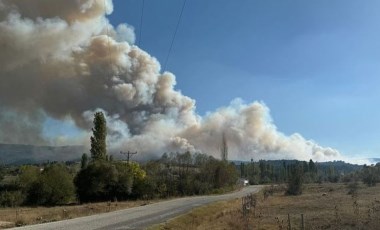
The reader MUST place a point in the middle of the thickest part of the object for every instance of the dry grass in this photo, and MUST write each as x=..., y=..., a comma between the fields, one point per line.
x=212, y=216
x=325, y=206
x=11, y=217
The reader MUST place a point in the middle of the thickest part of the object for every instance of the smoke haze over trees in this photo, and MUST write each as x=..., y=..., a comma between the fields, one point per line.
x=174, y=174
x=59, y=61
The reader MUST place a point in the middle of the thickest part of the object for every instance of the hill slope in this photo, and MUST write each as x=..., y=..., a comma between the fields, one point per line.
x=21, y=154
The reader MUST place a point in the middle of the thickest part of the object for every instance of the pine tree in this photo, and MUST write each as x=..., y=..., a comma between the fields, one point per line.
x=312, y=166
x=98, y=140
x=295, y=180
x=84, y=161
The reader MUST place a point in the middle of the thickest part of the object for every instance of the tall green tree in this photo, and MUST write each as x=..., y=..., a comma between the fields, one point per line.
x=98, y=140
x=295, y=179
x=312, y=166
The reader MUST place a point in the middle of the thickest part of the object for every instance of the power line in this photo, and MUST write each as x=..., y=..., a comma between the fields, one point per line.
x=175, y=33
x=107, y=31
x=128, y=154
x=141, y=23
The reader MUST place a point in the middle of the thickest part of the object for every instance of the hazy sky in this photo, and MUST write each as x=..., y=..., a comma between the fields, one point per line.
x=315, y=64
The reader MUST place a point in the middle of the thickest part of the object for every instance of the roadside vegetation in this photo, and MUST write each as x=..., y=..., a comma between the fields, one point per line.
x=98, y=177
x=27, y=215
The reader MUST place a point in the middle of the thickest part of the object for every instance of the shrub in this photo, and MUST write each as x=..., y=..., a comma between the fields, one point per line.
x=96, y=182
x=353, y=188
x=11, y=199
x=105, y=180
x=53, y=186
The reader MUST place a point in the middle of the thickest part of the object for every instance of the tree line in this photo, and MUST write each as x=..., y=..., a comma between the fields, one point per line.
x=296, y=173
x=279, y=171
x=101, y=178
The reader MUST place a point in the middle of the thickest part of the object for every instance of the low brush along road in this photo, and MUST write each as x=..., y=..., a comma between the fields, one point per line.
x=143, y=216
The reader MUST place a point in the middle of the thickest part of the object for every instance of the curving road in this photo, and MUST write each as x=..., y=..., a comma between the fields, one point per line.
x=143, y=216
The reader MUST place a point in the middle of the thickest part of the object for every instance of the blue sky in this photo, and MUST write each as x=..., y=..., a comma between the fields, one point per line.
x=314, y=63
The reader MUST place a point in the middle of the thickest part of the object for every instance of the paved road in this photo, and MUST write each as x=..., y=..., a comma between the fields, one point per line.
x=140, y=217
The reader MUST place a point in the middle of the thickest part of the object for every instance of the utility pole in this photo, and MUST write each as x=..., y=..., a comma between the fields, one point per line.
x=224, y=148
x=128, y=154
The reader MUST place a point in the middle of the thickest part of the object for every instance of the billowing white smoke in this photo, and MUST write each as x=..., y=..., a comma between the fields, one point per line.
x=63, y=59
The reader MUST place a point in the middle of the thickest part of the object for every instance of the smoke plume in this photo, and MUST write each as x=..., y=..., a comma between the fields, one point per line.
x=64, y=60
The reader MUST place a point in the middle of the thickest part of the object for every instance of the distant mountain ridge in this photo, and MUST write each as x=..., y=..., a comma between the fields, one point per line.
x=30, y=154
x=339, y=166
x=374, y=160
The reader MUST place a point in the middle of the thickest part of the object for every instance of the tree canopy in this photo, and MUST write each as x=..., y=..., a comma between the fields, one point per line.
x=98, y=140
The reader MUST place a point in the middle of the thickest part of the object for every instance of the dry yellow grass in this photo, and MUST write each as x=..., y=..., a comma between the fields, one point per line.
x=11, y=217
x=212, y=216
x=325, y=206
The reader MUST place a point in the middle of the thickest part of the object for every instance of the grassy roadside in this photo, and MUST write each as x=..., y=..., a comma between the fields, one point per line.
x=325, y=206
x=211, y=216
x=10, y=217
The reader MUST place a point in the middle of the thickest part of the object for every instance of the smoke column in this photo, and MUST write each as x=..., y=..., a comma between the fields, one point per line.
x=58, y=60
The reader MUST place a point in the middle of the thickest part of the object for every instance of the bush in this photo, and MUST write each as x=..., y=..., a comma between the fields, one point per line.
x=370, y=175
x=104, y=181
x=96, y=182
x=53, y=186
x=219, y=174
x=27, y=177
x=148, y=189
x=353, y=188
x=11, y=199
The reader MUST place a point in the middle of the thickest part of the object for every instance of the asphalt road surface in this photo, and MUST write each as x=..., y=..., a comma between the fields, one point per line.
x=143, y=216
